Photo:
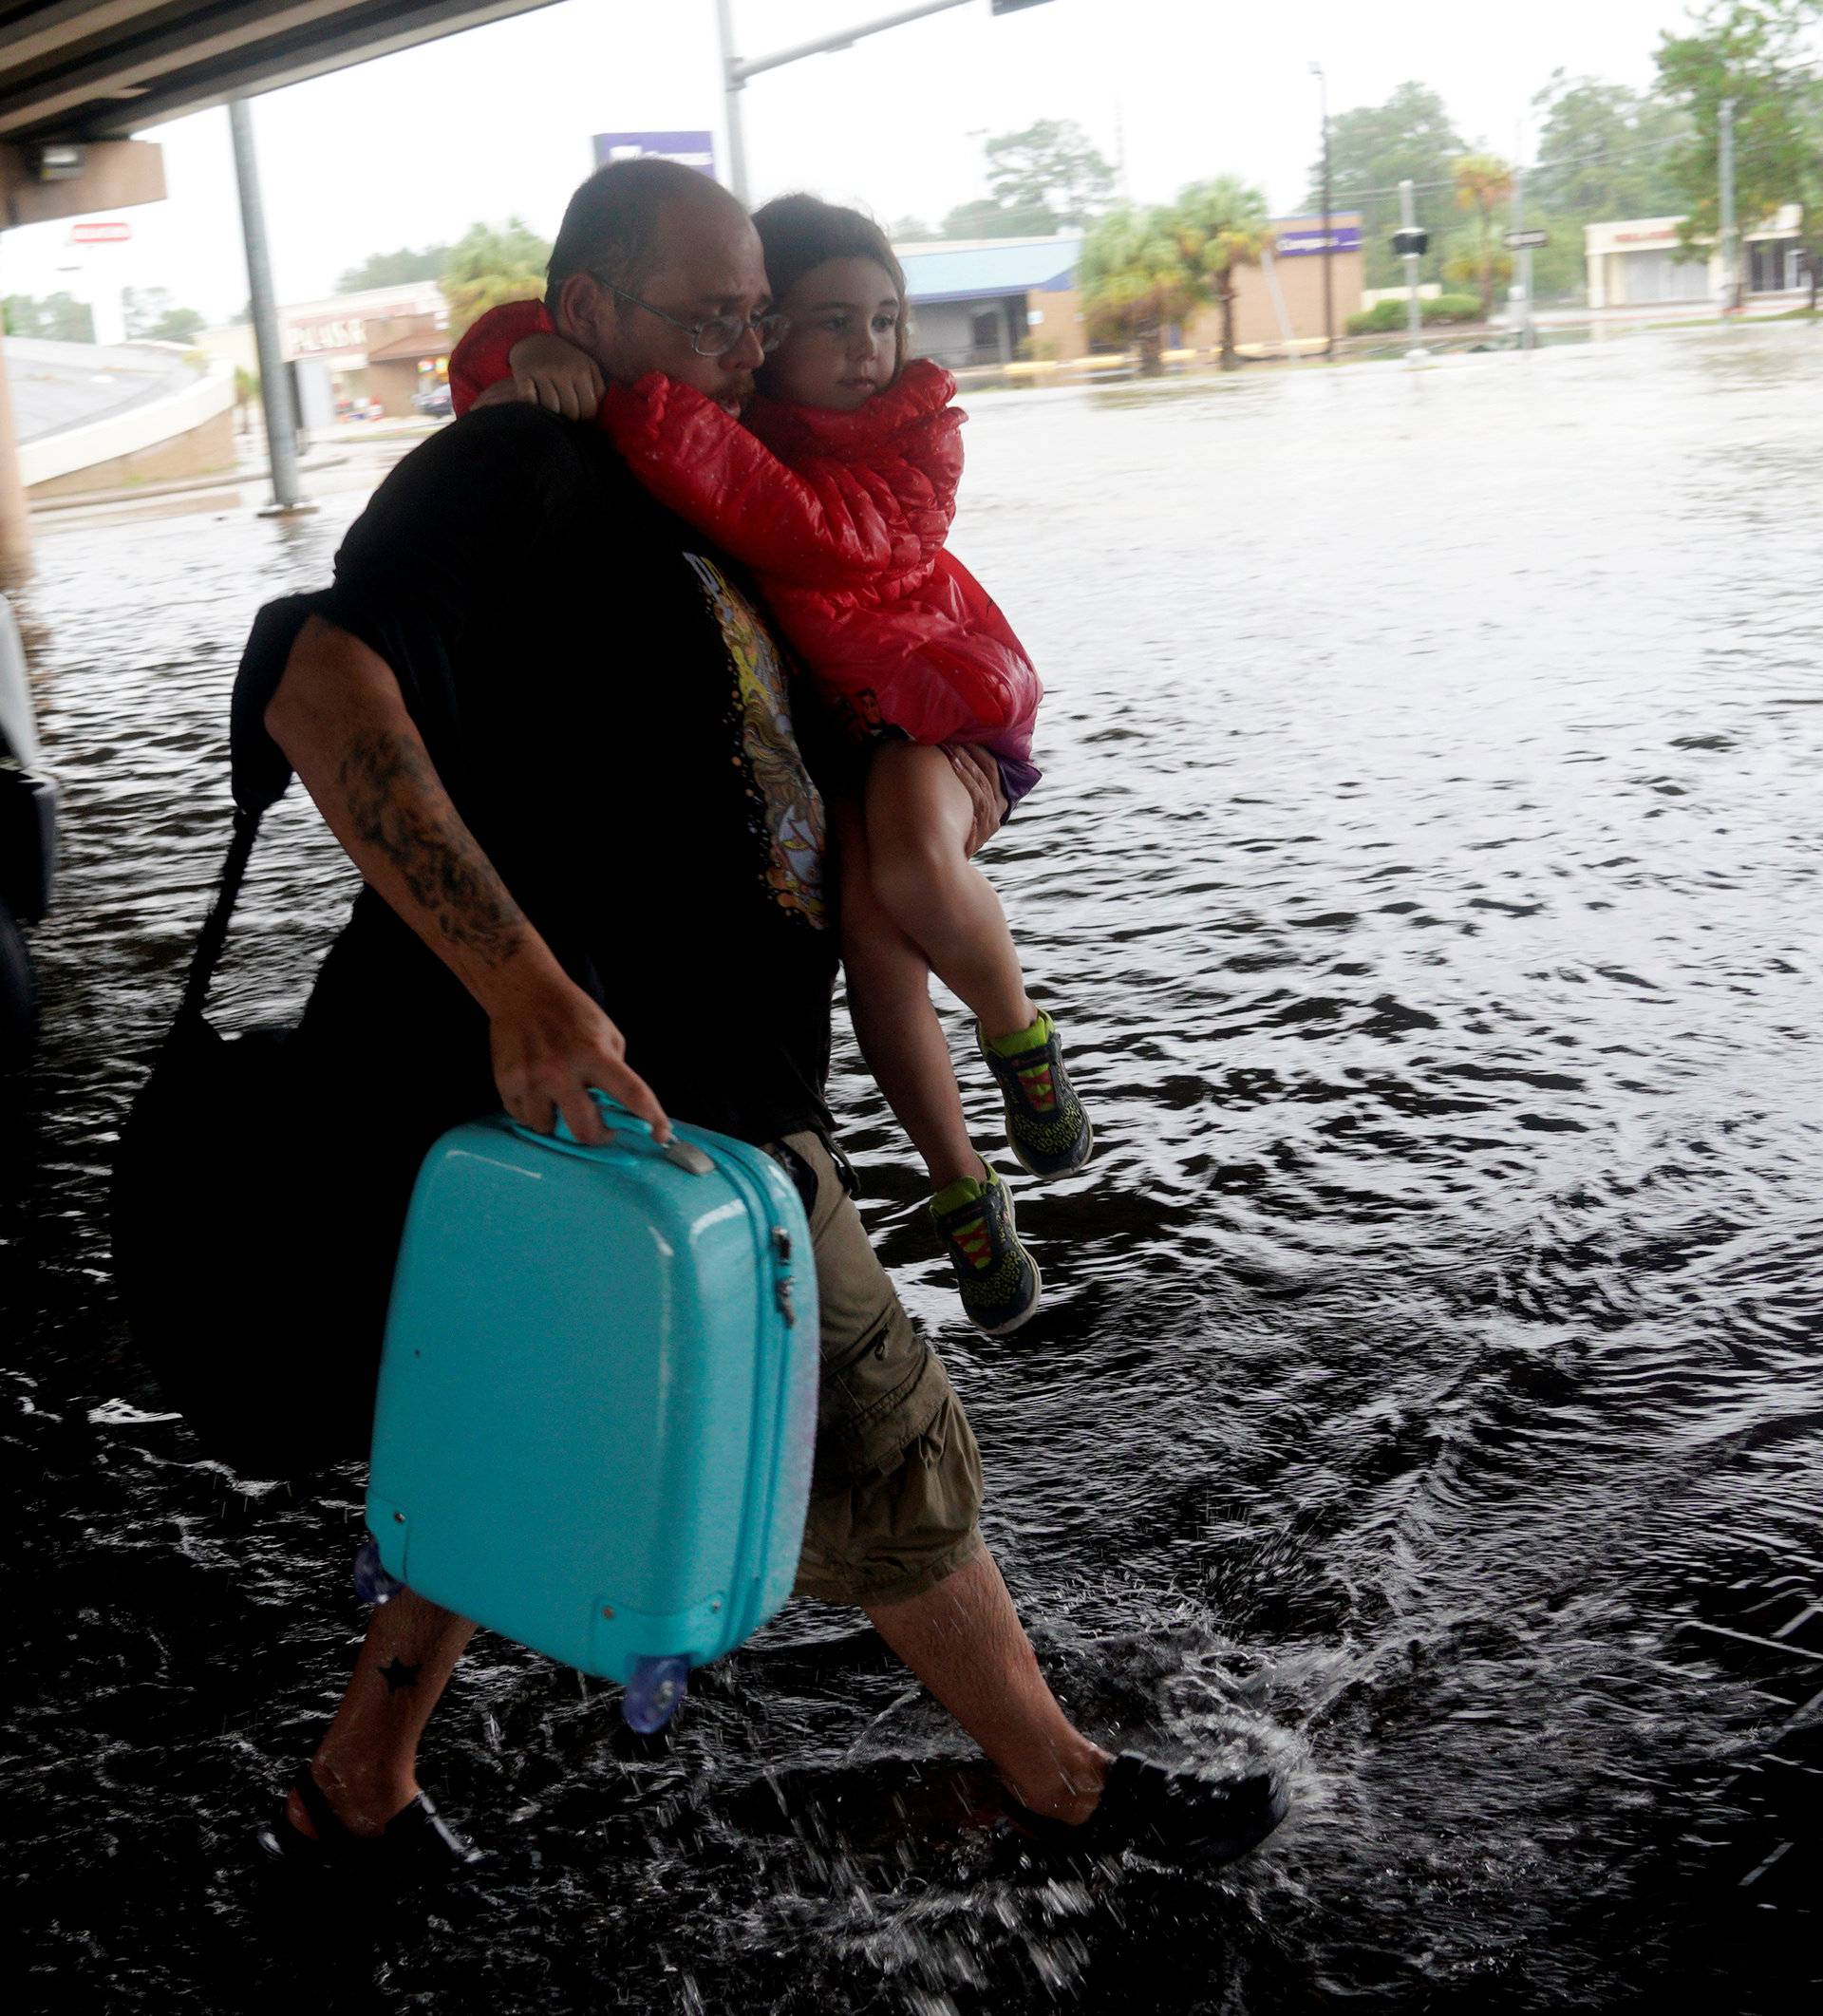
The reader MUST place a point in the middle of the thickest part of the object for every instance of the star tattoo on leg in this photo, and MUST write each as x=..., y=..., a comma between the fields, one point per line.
x=398, y=1674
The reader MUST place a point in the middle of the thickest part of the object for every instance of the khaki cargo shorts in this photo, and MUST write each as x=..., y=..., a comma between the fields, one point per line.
x=897, y=1485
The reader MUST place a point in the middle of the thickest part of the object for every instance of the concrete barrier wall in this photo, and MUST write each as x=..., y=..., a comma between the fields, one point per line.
x=90, y=453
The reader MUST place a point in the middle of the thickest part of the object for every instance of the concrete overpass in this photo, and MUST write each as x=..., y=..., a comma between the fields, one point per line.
x=80, y=78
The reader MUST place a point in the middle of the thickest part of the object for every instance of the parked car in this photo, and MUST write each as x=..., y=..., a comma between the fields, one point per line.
x=27, y=846
x=434, y=403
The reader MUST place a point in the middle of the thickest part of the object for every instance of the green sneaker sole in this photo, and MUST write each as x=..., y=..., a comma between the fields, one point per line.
x=1054, y=1168
x=1024, y=1316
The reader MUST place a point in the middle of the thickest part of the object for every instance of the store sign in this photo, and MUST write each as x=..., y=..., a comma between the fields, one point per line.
x=690, y=150
x=115, y=232
x=328, y=333
x=1301, y=242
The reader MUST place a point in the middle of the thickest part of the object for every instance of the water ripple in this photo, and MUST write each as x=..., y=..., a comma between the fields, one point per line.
x=1424, y=878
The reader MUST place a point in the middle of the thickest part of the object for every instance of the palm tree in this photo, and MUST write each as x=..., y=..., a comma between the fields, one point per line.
x=485, y=267
x=1136, y=283
x=1483, y=182
x=1222, y=227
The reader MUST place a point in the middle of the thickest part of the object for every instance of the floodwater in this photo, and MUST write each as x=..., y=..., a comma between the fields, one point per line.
x=1428, y=1391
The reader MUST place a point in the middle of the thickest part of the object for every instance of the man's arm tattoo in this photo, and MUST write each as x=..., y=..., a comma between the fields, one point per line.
x=394, y=798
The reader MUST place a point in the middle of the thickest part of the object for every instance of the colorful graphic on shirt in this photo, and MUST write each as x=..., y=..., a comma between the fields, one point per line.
x=787, y=808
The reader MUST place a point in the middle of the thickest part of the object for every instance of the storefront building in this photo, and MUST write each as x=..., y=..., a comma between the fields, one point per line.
x=1642, y=262
x=345, y=350
x=991, y=301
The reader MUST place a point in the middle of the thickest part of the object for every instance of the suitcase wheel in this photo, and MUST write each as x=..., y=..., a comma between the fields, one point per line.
x=654, y=1687
x=372, y=1582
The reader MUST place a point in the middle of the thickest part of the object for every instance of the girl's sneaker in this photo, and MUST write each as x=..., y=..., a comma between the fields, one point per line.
x=997, y=1276
x=1046, y=1127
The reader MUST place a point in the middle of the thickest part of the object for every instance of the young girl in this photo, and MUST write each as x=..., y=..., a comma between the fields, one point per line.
x=838, y=500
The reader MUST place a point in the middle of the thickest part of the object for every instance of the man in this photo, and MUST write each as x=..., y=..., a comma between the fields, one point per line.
x=557, y=738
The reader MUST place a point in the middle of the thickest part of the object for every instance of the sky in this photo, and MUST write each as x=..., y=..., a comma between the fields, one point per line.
x=497, y=122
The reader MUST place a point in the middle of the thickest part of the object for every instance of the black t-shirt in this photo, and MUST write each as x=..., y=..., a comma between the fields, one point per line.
x=604, y=705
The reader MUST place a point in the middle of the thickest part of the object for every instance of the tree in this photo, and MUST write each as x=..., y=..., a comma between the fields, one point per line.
x=1483, y=187
x=1136, y=281
x=1052, y=166
x=394, y=268
x=487, y=267
x=910, y=231
x=1604, y=151
x=58, y=318
x=1141, y=271
x=985, y=218
x=1373, y=148
x=1221, y=227
x=1559, y=268
x=1751, y=52
x=152, y=316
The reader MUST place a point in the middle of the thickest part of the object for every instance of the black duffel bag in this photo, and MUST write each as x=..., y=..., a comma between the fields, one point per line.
x=220, y=1240
x=253, y=1283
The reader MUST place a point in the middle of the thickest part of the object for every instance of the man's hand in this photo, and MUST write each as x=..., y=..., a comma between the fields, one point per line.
x=980, y=775
x=554, y=374
x=550, y=1043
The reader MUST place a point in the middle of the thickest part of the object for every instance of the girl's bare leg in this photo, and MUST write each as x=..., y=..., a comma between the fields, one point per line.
x=919, y=821
x=888, y=1001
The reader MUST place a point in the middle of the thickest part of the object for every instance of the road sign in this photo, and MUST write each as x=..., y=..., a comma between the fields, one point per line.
x=113, y=233
x=1527, y=240
x=1412, y=242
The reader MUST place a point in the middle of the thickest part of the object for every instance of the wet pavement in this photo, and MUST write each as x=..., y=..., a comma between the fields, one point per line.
x=1427, y=1396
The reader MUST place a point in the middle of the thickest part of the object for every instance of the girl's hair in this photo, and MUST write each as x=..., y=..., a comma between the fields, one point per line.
x=801, y=232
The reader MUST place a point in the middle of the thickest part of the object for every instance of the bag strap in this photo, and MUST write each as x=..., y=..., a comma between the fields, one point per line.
x=207, y=955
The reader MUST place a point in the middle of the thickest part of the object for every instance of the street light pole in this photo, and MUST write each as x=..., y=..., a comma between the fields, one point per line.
x=732, y=85
x=737, y=69
x=1725, y=163
x=1329, y=222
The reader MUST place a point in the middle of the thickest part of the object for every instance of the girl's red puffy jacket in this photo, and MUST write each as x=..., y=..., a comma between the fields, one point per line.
x=841, y=518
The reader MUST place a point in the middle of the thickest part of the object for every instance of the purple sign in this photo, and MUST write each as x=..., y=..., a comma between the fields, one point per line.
x=693, y=150
x=1300, y=239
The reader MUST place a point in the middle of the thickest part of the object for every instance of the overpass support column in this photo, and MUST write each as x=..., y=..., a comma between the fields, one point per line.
x=15, y=523
x=274, y=385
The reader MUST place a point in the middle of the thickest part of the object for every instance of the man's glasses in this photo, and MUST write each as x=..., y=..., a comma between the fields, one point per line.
x=720, y=333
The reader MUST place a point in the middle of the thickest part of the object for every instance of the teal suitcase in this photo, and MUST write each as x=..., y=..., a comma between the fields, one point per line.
x=597, y=1398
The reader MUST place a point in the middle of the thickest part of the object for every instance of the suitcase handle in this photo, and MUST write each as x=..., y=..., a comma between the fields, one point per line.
x=626, y=1129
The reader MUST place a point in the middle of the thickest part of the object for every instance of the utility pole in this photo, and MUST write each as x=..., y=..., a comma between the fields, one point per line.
x=1329, y=222
x=1408, y=228
x=1730, y=251
x=274, y=387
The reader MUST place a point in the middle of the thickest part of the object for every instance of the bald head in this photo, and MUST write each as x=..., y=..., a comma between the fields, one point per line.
x=621, y=220
x=647, y=251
